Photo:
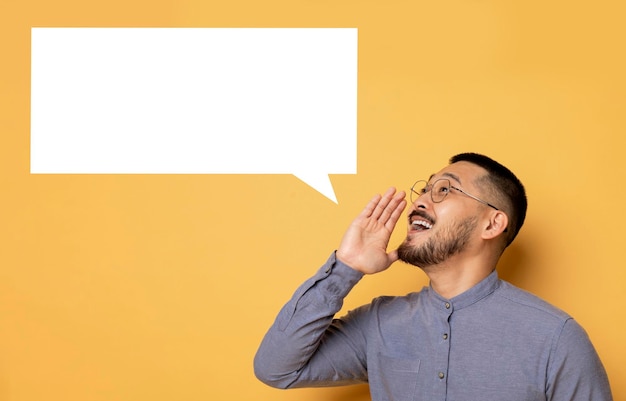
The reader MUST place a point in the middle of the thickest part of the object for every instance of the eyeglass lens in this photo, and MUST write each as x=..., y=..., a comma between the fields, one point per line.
x=438, y=190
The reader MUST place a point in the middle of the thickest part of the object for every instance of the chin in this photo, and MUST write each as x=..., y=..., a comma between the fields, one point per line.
x=413, y=240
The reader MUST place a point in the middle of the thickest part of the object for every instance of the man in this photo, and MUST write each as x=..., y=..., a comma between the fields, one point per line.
x=468, y=336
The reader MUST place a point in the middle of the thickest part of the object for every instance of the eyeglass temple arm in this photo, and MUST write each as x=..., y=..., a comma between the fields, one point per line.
x=475, y=198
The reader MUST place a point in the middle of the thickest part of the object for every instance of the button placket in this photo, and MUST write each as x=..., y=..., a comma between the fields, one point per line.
x=444, y=342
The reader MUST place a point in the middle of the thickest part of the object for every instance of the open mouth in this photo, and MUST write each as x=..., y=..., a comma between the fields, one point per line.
x=419, y=223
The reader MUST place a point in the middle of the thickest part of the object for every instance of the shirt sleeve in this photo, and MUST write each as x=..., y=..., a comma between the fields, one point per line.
x=575, y=372
x=305, y=346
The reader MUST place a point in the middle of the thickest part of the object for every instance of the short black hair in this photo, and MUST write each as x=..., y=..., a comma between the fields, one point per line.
x=505, y=186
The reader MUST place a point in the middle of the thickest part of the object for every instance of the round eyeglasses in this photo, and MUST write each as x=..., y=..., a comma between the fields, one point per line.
x=439, y=190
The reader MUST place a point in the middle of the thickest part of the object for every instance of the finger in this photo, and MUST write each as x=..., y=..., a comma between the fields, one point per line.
x=399, y=204
x=390, y=224
x=394, y=208
x=383, y=202
x=370, y=207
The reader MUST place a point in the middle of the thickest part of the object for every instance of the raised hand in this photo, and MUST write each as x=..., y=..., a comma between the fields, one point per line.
x=364, y=245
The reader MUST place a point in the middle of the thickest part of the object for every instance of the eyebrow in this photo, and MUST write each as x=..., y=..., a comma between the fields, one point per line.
x=448, y=175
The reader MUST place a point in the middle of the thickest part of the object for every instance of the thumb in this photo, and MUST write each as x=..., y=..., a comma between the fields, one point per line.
x=393, y=256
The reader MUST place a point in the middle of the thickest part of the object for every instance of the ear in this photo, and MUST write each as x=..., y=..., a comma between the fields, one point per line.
x=496, y=224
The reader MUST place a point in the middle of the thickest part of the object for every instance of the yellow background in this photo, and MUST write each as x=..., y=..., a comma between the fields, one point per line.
x=161, y=287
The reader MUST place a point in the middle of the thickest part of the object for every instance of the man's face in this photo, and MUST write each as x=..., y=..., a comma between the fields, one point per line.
x=438, y=231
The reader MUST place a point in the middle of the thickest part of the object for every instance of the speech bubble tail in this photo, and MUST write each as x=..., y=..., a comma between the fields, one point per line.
x=320, y=182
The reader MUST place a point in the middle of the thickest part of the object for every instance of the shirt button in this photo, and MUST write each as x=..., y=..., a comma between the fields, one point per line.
x=447, y=305
x=445, y=336
x=441, y=375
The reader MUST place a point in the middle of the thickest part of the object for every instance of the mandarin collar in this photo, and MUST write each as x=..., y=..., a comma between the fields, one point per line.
x=484, y=288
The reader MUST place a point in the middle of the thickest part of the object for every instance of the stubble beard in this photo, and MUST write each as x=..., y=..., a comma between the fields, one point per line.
x=448, y=242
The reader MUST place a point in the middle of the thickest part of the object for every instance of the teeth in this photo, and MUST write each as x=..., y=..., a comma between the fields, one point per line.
x=421, y=223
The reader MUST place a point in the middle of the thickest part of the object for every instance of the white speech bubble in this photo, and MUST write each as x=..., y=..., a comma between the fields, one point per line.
x=195, y=101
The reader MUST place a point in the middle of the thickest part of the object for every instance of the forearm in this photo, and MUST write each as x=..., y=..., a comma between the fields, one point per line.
x=289, y=346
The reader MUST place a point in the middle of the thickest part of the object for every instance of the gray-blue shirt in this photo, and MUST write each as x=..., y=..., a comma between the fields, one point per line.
x=493, y=342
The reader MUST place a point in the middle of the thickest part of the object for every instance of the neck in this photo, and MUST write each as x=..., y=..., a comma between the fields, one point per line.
x=457, y=275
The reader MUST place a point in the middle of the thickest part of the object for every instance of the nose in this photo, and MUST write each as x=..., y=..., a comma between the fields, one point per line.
x=421, y=202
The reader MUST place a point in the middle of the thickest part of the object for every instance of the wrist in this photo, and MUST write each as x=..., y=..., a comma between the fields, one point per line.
x=345, y=265
x=349, y=262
